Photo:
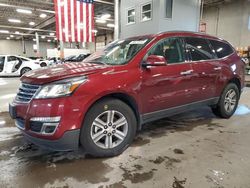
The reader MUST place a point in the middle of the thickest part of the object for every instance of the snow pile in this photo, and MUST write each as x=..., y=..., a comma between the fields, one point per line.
x=242, y=110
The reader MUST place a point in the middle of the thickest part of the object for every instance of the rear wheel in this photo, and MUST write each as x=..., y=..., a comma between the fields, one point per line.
x=108, y=129
x=43, y=64
x=228, y=101
x=24, y=70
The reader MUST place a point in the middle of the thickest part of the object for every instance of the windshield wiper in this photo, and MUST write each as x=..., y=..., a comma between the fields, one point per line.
x=97, y=62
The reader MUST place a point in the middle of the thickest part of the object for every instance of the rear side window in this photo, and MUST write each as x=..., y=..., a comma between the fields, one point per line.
x=199, y=49
x=221, y=49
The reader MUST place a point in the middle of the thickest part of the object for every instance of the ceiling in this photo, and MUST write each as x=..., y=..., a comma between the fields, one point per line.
x=44, y=26
x=217, y=2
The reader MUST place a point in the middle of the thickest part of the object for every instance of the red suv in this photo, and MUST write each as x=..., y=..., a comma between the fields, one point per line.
x=100, y=103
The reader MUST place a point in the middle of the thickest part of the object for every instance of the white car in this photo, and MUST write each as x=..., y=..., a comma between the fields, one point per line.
x=12, y=65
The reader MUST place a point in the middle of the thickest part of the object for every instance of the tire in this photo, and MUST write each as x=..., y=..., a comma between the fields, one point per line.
x=102, y=147
x=24, y=70
x=43, y=65
x=223, y=109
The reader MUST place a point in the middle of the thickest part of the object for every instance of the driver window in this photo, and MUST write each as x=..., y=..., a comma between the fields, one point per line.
x=170, y=48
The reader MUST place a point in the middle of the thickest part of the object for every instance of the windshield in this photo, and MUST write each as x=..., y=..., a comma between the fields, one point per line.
x=119, y=52
x=69, y=58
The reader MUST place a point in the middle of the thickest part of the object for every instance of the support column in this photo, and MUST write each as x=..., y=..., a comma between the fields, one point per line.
x=37, y=45
x=61, y=50
x=117, y=24
x=24, y=46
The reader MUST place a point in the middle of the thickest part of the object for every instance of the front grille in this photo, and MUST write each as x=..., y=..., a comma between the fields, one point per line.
x=26, y=92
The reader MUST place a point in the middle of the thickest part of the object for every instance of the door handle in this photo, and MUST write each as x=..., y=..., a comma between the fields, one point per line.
x=217, y=68
x=188, y=72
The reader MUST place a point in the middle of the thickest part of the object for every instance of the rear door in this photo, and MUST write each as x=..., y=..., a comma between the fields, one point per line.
x=165, y=87
x=206, y=69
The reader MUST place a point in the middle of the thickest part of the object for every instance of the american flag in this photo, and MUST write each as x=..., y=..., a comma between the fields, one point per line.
x=74, y=20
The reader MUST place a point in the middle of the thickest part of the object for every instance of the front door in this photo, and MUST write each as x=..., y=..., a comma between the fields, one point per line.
x=165, y=87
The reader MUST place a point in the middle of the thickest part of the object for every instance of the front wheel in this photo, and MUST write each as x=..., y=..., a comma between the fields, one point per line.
x=108, y=129
x=228, y=101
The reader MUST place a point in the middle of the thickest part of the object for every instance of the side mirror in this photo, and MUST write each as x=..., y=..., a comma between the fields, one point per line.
x=245, y=60
x=154, y=60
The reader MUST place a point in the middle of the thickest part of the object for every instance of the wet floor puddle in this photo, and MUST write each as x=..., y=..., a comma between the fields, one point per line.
x=28, y=165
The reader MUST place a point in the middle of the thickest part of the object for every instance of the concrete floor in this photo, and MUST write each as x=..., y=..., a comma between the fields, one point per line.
x=191, y=150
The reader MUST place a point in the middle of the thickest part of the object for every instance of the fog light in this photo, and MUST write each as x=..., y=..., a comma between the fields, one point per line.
x=49, y=128
x=44, y=125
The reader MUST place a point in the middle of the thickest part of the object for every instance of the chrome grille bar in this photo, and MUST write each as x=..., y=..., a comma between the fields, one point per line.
x=26, y=92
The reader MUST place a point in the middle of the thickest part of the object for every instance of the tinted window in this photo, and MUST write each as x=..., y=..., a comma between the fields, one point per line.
x=22, y=59
x=199, y=49
x=171, y=48
x=221, y=49
x=2, y=59
x=11, y=58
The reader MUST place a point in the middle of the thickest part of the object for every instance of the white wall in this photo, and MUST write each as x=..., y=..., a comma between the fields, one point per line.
x=186, y=15
x=16, y=48
x=230, y=22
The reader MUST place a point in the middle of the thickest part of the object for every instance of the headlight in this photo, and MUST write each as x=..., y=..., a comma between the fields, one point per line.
x=60, y=88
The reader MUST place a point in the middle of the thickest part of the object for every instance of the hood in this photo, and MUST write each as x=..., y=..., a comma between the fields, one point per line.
x=59, y=72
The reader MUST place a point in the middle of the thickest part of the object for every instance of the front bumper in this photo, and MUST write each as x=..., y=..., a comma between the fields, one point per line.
x=67, y=142
x=66, y=135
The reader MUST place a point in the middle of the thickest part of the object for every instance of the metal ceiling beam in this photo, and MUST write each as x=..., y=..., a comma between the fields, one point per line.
x=25, y=28
x=104, y=2
x=28, y=8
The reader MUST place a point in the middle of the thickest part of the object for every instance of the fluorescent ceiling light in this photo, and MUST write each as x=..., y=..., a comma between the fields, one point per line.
x=11, y=36
x=52, y=34
x=34, y=40
x=43, y=37
x=14, y=20
x=110, y=25
x=24, y=11
x=49, y=40
x=4, y=31
x=100, y=21
x=8, y=38
x=32, y=23
x=17, y=32
x=105, y=16
x=43, y=15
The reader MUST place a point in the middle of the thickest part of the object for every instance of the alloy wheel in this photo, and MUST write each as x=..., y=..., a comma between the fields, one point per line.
x=109, y=129
x=230, y=100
